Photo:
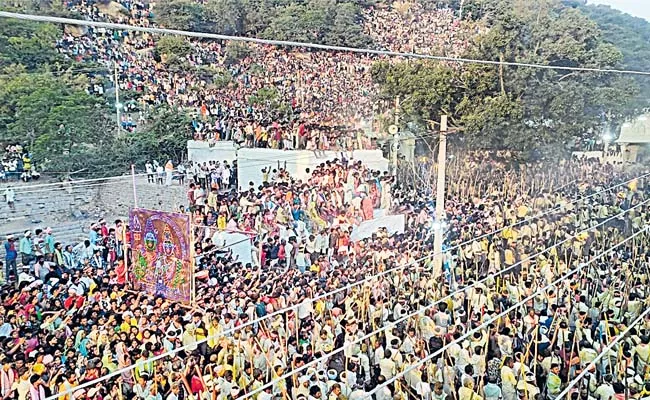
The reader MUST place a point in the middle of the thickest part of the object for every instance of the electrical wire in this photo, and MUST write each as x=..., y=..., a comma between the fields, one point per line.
x=425, y=308
x=601, y=354
x=504, y=313
x=56, y=72
x=285, y=43
x=72, y=187
x=221, y=248
x=271, y=315
x=87, y=183
x=83, y=181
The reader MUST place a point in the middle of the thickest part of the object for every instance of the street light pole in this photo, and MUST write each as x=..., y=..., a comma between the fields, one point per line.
x=117, y=98
x=607, y=139
x=395, y=132
x=395, y=149
x=440, y=199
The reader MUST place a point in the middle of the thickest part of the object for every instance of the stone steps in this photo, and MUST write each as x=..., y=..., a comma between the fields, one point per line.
x=68, y=233
x=70, y=210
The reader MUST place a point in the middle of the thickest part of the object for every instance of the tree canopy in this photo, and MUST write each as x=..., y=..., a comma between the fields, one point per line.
x=497, y=107
x=631, y=35
x=29, y=44
x=336, y=22
x=44, y=104
x=519, y=107
x=163, y=137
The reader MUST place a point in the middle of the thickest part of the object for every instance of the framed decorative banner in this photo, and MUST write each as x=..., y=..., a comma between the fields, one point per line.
x=161, y=259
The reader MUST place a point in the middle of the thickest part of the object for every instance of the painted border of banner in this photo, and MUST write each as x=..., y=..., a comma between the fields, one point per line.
x=161, y=254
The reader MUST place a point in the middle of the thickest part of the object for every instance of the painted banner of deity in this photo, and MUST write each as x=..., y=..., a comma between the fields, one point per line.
x=161, y=262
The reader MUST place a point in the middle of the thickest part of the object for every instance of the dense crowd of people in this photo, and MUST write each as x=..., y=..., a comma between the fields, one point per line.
x=410, y=27
x=545, y=269
x=271, y=97
x=16, y=163
x=69, y=317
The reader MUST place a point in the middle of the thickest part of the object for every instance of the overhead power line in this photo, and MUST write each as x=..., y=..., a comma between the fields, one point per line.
x=343, y=289
x=287, y=43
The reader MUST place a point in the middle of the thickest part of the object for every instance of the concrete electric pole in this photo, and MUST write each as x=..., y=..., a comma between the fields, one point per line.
x=117, y=99
x=394, y=130
x=440, y=199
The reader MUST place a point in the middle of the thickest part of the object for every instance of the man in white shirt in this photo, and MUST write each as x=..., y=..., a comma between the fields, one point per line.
x=383, y=393
x=321, y=242
x=605, y=391
x=149, y=168
x=160, y=173
x=199, y=197
x=22, y=385
x=315, y=393
x=225, y=177
x=288, y=251
x=10, y=197
x=408, y=344
x=508, y=380
x=84, y=250
x=175, y=390
x=441, y=318
x=387, y=366
x=378, y=353
x=219, y=170
x=642, y=353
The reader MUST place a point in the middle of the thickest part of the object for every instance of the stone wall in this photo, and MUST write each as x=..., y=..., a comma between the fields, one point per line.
x=62, y=204
x=297, y=162
x=117, y=199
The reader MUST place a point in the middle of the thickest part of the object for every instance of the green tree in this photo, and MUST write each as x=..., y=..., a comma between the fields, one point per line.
x=426, y=90
x=179, y=14
x=215, y=16
x=236, y=51
x=346, y=27
x=319, y=21
x=299, y=22
x=47, y=109
x=163, y=137
x=68, y=130
x=557, y=105
x=631, y=36
x=64, y=124
x=519, y=107
x=47, y=7
x=173, y=45
x=264, y=95
x=225, y=17
x=258, y=14
x=31, y=44
x=337, y=22
x=173, y=51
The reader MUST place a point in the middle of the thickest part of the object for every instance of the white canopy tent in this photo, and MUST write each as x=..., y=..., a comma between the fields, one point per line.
x=633, y=135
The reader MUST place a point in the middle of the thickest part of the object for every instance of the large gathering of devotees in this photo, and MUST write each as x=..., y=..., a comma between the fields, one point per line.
x=327, y=93
x=540, y=292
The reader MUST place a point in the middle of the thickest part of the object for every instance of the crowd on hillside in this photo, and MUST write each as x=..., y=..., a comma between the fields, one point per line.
x=67, y=315
x=16, y=163
x=410, y=27
x=270, y=96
